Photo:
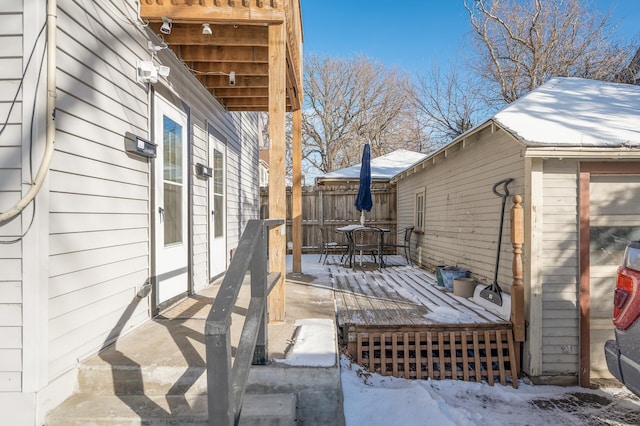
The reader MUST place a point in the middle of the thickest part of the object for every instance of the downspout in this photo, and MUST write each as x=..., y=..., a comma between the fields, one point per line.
x=51, y=46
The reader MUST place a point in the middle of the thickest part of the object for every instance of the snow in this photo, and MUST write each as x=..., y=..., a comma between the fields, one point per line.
x=372, y=400
x=315, y=344
x=576, y=112
x=384, y=167
x=446, y=314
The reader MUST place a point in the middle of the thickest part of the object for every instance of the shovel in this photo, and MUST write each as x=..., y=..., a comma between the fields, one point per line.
x=492, y=293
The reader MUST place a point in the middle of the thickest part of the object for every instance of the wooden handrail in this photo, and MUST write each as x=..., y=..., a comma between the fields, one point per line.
x=226, y=384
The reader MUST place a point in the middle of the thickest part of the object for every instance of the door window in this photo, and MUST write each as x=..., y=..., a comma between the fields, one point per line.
x=173, y=184
x=218, y=193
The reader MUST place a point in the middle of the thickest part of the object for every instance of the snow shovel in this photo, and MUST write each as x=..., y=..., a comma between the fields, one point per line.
x=492, y=293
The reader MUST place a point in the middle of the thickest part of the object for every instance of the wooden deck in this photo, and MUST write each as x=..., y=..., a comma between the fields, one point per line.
x=397, y=321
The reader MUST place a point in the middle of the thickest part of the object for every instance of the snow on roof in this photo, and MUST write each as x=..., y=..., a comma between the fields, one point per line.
x=384, y=167
x=575, y=112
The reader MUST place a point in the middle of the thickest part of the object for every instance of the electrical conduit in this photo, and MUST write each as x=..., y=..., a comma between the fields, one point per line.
x=51, y=46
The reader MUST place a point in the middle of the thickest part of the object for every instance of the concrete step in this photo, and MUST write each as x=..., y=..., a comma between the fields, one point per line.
x=317, y=389
x=276, y=409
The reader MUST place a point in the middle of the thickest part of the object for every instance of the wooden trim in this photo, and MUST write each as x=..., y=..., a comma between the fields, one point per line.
x=611, y=168
x=534, y=194
x=585, y=296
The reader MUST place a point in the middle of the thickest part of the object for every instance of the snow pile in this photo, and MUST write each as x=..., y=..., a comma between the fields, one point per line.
x=315, y=344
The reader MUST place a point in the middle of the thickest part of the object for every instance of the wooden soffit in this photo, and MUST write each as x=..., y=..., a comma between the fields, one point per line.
x=238, y=43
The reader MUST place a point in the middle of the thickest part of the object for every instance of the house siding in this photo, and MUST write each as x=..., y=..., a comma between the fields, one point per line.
x=11, y=176
x=74, y=289
x=99, y=195
x=200, y=207
x=462, y=214
x=243, y=191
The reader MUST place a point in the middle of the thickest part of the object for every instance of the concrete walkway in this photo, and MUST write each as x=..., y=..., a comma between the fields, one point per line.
x=139, y=377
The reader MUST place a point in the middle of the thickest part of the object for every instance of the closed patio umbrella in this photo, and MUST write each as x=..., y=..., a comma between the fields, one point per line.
x=363, y=200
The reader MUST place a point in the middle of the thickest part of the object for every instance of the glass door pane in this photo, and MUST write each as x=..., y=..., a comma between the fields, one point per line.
x=173, y=185
x=218, y=193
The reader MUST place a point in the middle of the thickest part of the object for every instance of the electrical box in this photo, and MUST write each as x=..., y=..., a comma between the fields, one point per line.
x=204, y=171
x=137, y=145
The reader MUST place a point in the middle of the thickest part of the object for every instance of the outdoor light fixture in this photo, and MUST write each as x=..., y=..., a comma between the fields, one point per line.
x=148, y=72
x=232, y=78
x=166, y=25
x=206, y=29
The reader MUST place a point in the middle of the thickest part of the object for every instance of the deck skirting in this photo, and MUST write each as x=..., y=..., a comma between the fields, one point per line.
x=437, y=353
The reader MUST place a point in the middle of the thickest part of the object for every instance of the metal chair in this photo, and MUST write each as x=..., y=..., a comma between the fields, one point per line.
x=326, y=245
x=406, y=243
x=367, y=240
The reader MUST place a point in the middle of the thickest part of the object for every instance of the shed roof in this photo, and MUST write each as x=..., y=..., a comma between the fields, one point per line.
x=567, y=117
x=575, y=112
x=383, y=168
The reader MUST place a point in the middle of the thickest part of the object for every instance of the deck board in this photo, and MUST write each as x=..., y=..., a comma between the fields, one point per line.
x=400, y=295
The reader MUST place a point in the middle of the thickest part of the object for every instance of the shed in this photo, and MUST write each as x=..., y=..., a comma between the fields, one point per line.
x=572, y=147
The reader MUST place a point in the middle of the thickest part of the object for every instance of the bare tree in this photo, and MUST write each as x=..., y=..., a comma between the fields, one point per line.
x=449, y=102
x=350, y=102
x=523, y=43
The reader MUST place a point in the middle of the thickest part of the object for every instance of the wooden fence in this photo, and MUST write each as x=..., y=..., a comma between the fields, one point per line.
x=333, y=207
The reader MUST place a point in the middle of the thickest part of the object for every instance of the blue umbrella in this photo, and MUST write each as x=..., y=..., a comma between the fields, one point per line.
x=363, y=200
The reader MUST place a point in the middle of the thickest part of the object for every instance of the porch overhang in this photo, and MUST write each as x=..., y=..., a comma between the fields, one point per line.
x=238, y=43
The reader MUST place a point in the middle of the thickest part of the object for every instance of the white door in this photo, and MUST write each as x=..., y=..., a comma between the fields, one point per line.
x=614, y=221
x=170, y=201
x=217, y=203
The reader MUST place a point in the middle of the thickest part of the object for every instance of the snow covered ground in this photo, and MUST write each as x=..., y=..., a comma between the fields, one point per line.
x=372, y=400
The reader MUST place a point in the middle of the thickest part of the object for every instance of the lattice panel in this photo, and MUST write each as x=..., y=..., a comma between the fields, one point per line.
x=458, y=355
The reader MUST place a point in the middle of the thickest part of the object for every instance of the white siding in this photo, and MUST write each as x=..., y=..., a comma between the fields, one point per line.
x=95, y=228
x=200, y=206
x=11, y=175
x=559, y=268
x=99, y=195
x=243, y=196
x=462, y=213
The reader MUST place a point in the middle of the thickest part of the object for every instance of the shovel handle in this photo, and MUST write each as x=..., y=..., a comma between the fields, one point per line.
x=505, y=189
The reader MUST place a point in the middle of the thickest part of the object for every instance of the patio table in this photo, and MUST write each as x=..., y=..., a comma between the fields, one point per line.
x=349, y=232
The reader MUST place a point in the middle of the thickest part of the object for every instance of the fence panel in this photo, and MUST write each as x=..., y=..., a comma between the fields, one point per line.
x=333, y=207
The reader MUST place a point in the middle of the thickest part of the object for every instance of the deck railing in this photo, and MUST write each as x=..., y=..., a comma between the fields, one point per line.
x=226, y=383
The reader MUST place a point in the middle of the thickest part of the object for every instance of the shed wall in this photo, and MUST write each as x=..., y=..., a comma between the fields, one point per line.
x=559, y=268
x=462, y=214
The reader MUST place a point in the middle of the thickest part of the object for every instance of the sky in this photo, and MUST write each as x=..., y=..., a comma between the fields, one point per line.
x=412, y=35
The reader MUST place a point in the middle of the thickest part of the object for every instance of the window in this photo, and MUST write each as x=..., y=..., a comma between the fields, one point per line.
x=418, y=218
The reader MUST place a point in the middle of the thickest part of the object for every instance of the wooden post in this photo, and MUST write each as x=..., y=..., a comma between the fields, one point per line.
x=277, y=169
x=517, y=289
x=296, y=205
